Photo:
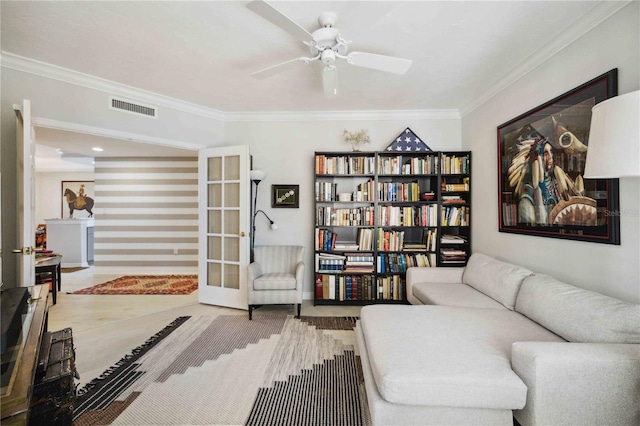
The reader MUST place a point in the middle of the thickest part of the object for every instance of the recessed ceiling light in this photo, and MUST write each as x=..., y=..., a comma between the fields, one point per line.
x=97, y=148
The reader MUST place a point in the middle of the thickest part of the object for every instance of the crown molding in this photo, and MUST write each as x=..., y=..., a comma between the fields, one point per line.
x=599, y=13
x=54, y=72
x=444, y=114
x=111, y=133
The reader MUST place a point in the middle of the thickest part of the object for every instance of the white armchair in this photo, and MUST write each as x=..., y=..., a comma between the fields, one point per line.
x=276, y=276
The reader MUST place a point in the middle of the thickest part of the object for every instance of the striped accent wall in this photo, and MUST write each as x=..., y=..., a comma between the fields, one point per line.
x=146, y=214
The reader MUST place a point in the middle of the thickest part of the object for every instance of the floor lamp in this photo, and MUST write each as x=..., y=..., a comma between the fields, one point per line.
x=614, y=138
x=256, y=177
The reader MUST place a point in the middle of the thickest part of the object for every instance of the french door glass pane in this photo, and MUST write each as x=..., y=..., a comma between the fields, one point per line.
x=232, y=222
x=214, y=274
x=232, y=167
x=232, y=195
x=215, y=222
x=214, y=198
x=232, y=276
x=214, y=171
x=214, y=251
x=231, y=250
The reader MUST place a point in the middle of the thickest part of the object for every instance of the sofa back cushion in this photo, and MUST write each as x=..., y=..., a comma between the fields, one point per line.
x=499, y=280
x=576, y=314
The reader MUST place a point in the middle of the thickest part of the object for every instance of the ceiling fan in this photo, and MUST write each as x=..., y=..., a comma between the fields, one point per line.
x=326, y=45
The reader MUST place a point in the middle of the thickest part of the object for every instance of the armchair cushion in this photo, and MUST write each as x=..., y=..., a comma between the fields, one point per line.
x=275, y=281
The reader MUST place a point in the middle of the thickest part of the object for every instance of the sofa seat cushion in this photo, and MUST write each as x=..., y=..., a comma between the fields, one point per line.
x=499, y=280
x=449, y=294
x=275, y=281
x=447, y=356
x=577, y=314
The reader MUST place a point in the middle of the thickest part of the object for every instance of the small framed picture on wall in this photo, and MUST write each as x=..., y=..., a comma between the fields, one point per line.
x=285, y=196
x=77, y=198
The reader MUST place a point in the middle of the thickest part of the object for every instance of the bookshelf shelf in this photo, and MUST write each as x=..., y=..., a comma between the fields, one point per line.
x=379, y=213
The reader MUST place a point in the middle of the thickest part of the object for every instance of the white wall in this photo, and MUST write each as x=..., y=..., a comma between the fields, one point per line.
x=49, y=193
x=65, y=102
x=285, y=150
x=611, y=270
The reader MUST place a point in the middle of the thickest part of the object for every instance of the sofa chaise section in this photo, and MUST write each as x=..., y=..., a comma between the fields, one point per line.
x=492, y=341
x=447, y=358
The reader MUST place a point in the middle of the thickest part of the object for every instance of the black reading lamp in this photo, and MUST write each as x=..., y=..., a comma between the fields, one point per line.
x=256, y=177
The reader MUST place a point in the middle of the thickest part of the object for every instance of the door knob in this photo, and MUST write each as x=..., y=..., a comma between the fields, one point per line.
x=241, y=234
x=24, y=250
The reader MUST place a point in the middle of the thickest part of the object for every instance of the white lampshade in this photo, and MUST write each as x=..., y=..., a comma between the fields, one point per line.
x=614, y=138
x=257, y=175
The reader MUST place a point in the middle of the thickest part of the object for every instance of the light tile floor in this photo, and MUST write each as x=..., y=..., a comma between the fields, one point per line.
x=107, y=327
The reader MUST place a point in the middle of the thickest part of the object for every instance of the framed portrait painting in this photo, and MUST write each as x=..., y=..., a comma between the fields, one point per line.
x=541, y=159
x=77, y=198
x=285, y=196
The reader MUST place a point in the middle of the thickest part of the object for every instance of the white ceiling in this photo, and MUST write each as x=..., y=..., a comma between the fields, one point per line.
x=203, y=52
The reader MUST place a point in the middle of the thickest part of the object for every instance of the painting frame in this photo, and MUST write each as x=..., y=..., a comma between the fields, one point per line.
x=76, y=186
x=541, y=157
x=285, y=196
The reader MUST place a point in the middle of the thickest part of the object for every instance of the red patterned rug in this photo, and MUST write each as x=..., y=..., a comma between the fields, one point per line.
x=145, y=284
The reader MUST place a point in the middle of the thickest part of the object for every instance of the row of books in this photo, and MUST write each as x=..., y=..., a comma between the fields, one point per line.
x=358, y=287
x=453, y=239
x=364, y=239
x=455, y=216
x=414, y=165
x=344, y=287
x=453, y=199
x=453, y=256
x=390, y=240
x=455, y=186
x=344, y=165
x=425, y=215
x=358, y=263
x=328, y=191
x=452, y=164
x=326, y=241
x=399, y=262
x=390, y=165
x=357, y=216
x=391, y=288
x=399, y=191
x=421, y=166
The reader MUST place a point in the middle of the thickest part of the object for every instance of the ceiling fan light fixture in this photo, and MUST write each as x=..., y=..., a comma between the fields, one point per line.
x=325, y=44
x=328, y=57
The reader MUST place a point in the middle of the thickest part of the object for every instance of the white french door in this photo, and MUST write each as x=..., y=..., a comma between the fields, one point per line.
x=25, y=254
x=224, y=203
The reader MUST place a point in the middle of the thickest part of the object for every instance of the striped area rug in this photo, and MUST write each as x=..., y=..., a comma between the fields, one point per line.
x=227, y=370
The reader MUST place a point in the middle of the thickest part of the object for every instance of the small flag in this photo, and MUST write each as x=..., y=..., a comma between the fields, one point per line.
x=407, y=141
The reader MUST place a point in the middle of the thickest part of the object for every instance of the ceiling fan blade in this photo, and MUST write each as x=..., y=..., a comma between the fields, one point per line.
x=379, y=62
x=278, y=18
x=330, y=81
x=276, y=69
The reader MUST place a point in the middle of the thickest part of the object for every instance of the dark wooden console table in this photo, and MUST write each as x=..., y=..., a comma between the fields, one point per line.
x=22, y=359
x=51, y=265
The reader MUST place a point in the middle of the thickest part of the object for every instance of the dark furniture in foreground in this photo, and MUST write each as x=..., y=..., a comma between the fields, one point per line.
x=50, y=268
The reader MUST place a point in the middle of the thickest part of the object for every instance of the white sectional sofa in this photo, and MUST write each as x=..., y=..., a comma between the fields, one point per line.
x=492, y=341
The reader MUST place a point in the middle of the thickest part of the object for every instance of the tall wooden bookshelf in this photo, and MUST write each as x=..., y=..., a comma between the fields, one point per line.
x=378, y=213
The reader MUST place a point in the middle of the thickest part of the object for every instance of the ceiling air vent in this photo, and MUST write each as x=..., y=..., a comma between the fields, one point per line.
x=132, y=107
